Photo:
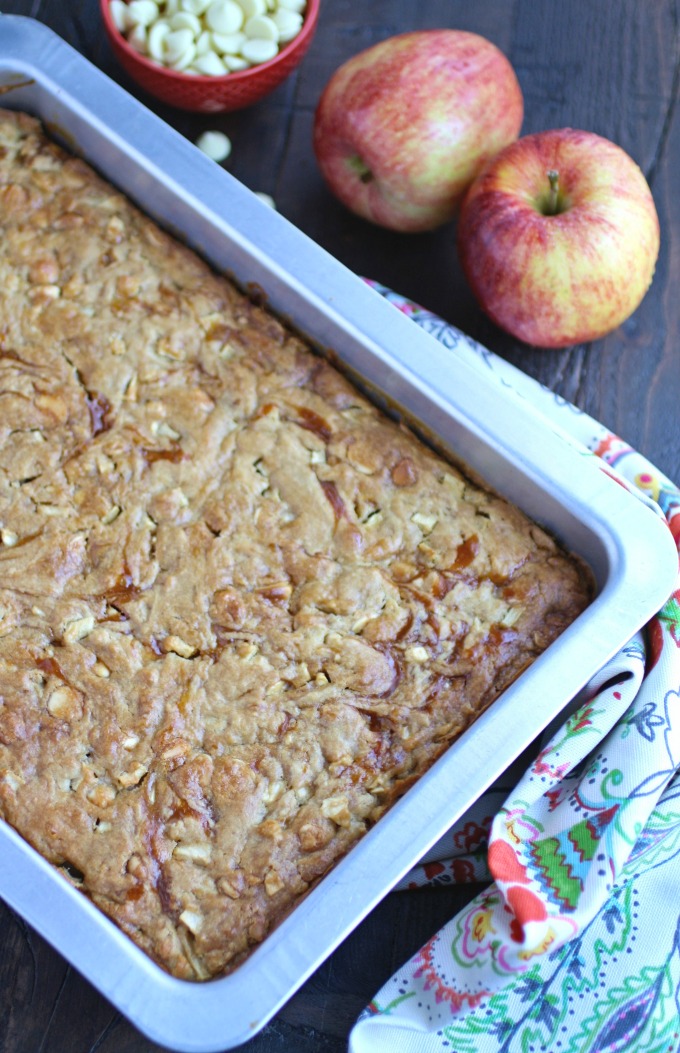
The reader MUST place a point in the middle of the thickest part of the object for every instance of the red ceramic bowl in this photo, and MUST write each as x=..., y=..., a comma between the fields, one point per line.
x=233, y=91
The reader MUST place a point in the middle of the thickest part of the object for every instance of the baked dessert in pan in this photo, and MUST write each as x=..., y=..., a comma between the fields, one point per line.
x=241, y=610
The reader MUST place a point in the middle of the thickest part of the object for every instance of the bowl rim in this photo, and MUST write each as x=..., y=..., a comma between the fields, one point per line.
x=234, y=77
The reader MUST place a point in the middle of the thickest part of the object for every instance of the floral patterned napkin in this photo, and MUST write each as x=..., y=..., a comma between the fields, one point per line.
x=575, y=945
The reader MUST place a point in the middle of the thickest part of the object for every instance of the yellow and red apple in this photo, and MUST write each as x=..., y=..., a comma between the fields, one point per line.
x=559, y=237
x=402, y=128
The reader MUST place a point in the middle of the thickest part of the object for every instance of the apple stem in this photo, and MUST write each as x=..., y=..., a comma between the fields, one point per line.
x=554, y=180
x=359, y=166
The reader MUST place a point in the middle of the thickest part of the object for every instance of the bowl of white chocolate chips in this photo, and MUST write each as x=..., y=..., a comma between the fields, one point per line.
x=209, y=56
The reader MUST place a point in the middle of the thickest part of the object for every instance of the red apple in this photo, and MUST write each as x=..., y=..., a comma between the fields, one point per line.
x=559, y=237
x=402, y=128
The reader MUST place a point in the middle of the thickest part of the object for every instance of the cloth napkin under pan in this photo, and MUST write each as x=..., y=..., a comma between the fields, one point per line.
x=574, y=947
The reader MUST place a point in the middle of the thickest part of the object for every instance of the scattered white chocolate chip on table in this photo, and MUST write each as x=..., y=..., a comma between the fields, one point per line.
x=208, y=38
x=266, y=199
x=216, y=145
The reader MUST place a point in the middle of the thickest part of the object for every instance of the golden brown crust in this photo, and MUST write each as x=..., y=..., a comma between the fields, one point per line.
x=240, y=610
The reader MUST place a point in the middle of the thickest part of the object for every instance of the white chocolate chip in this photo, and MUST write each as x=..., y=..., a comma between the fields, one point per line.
x=8, y=537
x=209, y=65
x=274, y=790
x=111, y=515
x=215, y=145
x=53, y=510
x=184, y=62
x=178, y=646
x=176, y=44
x=273, y=882
x=235, y=63
x=258, y=50
x=137, y=39
x=261, y=27
x=252, y=7
x=428, y=523
x=228, y=889
x=179, y=749
x=63, y=702
x=78, y=628
x=186, y=20
x=142, y=12
x=204, y=43
x=224, y=16
x=200, y=854
x=416, y=654
x=156, y=39
x=133, y=777
x=102, y=795
x=288, y=23
x=193, y=921
x=228, y=43
x=120, y=15
x=337, y=809
x=161, y=427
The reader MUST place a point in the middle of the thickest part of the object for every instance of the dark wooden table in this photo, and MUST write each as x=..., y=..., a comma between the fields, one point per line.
x=610, y=66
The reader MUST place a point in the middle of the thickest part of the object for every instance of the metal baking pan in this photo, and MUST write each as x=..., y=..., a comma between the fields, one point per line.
x=628, y=548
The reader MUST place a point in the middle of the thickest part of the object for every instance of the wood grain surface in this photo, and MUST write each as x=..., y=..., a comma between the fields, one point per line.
x=609, y=66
